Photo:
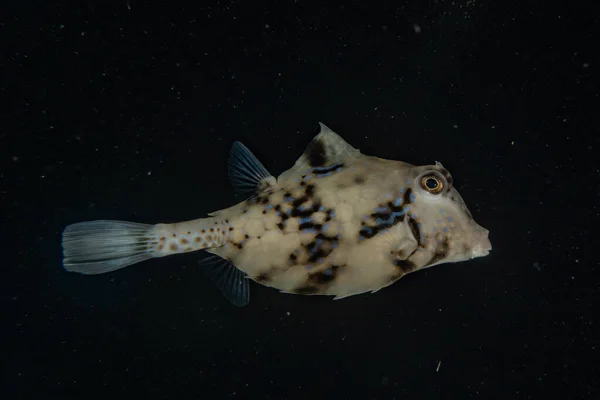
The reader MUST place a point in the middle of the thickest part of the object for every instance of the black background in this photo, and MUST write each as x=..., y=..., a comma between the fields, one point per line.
x=125, y=110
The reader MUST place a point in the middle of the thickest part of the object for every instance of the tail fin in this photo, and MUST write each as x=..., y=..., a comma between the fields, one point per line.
x=97, y=247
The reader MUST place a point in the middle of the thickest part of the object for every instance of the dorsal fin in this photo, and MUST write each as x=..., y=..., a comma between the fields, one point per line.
x=247, y=175
x=326, y=148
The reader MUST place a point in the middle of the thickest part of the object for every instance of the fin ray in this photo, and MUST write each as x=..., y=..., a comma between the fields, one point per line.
x=231, y=281
x=246, y=172
x=98, y=247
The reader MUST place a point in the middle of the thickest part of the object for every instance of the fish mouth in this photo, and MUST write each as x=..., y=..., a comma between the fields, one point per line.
x=483, y=245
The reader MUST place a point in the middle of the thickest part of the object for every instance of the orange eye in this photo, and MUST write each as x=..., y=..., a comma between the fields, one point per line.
x=432, y=184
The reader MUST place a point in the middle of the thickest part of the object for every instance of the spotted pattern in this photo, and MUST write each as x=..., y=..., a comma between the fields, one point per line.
x=304, y=207
x=174, y=240
x=387, y=215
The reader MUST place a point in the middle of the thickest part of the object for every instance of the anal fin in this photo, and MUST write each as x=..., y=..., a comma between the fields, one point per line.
x=231, y=281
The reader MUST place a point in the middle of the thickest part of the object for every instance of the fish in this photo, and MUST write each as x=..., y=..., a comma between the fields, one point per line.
x=337, y=223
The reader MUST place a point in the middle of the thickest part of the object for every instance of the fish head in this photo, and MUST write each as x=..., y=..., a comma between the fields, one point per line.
x=440, y=220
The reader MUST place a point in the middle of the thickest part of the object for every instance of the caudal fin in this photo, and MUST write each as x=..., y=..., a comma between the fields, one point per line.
x=97, y=247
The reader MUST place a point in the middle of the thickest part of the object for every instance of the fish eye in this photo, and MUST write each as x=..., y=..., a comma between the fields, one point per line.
x=432, y=184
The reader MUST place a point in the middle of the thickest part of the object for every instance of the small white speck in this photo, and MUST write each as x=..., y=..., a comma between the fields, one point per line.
x=288, y=313
x=512, y=143
x=417, y=28
x=15, y=158
x=267, y=26
x=149, y=173
x=586, y=65
x=455, y=126
x=438, y=366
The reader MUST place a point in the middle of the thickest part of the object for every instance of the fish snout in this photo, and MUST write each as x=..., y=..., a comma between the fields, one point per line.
x=482, y=245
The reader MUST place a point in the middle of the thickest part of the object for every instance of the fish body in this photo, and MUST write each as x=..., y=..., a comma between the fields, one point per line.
x=337, y=223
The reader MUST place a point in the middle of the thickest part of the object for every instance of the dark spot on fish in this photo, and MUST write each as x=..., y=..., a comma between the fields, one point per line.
x=230, y=229
x=405, y=266
x=320, y=172
x=436, y=257
x=322, y=277
x=239, y=245
x=216, y=223
x=305, y=212
x=293, y=257
x=407, y=199
x=287, y=194
x=246, y=236
x=316, y=154
x=328, y=215
x=359, y=179
x=198, y=239
x=416, y=231
x=318, y=253
x=202, y=231
x=183, y=241
x=310, y=190
x=300, y=201
x=310, y=225
x=277, y=207
x=211, y=229
x=441, y=250
x=281, y=226
x=263, y=277
x=306, y=290
x=172, y=247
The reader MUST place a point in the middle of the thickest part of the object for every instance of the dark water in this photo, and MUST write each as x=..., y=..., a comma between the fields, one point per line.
x=122, y=110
